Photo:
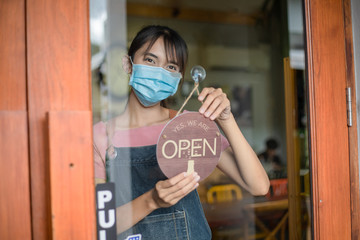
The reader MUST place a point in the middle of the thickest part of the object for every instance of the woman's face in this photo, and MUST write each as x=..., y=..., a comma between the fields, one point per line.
x=156, y=56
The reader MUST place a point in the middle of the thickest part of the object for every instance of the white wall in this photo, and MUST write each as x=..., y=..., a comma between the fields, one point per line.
x=229, y=64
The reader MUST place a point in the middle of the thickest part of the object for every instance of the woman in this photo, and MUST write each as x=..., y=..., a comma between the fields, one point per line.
x=147, y=202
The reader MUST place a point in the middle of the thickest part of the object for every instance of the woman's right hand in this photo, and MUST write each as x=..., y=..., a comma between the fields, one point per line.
x=168, y=192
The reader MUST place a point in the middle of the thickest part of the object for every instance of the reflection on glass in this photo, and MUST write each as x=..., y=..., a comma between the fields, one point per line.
x=245, y=58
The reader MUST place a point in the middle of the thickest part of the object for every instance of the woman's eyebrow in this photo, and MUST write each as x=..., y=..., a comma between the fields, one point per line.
x=151, y=55
x=154, y=56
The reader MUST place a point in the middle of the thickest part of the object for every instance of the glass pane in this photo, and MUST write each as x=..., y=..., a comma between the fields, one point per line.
x=355, y=7
x=254, y=52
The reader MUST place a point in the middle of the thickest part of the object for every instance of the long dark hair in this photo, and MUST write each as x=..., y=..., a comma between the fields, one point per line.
x=174, y=44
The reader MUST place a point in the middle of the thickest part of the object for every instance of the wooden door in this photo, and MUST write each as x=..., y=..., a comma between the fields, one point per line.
x=353, y=137
x=328, y=76
x=45, y=120
x=59, y=108
x=46, y=166
x=15, y=215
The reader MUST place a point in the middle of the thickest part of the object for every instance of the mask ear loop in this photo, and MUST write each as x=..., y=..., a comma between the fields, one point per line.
x=196, y=87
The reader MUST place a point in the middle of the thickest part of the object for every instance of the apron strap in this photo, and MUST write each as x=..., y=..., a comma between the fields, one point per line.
x=110, y=130
x=172, y=113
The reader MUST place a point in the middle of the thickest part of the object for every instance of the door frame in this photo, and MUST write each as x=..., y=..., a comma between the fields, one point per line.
x=333, y=145
x=353, y=132
x=46, y=42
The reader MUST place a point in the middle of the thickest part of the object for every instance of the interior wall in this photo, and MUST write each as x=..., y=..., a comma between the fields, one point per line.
x=236, y=55
x=249, y=56
x=279, y=38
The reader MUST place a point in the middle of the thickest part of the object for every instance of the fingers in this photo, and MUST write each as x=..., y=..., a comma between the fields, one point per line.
x=222, y=108
x=175, y=198
x=216, y=102
x=205, y=92
x=174, y=180
x=172, y=190
x=178, y=182
x=183, y=187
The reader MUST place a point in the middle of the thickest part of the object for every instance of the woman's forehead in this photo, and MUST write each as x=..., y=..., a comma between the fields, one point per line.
x=159, y=48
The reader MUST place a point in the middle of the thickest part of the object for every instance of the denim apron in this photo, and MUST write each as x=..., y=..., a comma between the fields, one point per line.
x=134, y=171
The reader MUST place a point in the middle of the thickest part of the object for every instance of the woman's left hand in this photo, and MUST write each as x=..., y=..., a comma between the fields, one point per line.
x=216, y=104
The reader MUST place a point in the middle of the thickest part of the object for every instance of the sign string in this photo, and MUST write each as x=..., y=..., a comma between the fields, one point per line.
x=196, y=88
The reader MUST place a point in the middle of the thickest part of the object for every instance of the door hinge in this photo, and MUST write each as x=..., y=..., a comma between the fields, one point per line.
x=348, y=107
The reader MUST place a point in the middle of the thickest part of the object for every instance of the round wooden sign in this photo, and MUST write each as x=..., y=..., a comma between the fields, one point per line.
x=189, y=142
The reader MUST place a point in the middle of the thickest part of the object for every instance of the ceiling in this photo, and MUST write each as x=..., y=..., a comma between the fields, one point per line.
x=239, y=6
x=229, y=22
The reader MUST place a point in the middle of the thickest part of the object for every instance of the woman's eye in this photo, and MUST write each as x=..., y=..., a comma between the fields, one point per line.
x=172, y=68
x=149, y=60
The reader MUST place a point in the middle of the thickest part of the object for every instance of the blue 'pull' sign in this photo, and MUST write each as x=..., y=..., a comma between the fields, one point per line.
x=106, y=211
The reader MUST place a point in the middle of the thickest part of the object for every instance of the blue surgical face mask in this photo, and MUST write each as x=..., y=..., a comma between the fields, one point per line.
x=153, y=84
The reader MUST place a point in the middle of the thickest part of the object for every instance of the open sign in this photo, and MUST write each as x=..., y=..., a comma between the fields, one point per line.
x=189, y=142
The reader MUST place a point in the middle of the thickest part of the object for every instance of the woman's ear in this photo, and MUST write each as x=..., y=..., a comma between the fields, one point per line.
x=126, y=64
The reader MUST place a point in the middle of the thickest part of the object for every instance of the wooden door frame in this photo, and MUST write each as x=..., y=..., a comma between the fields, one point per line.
x=53, y=86
x=333, y=146
x=46, y=164
x=353, y=133
x=15, y=213
x=60, y=120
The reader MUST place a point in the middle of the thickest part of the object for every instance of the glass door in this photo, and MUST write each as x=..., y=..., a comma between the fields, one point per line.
x=255, y=52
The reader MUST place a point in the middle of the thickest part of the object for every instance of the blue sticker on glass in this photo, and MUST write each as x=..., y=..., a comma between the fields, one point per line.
x=134, y=237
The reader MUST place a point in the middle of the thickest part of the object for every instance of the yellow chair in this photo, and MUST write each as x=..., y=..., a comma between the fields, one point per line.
x=224, y=193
